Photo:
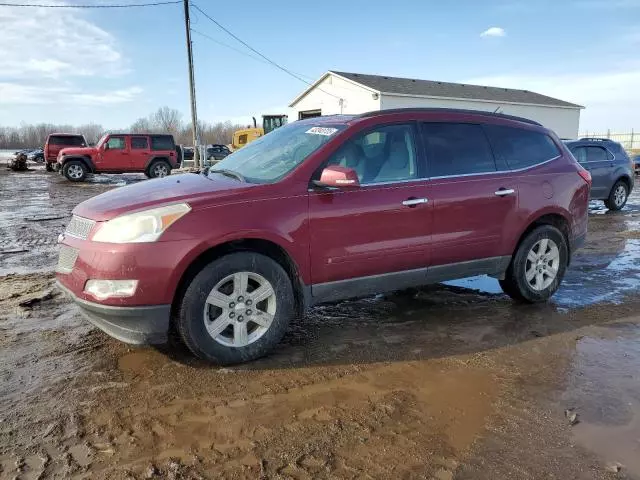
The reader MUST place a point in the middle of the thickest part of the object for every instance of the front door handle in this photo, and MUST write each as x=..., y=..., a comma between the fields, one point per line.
x=412, y=202
x=505, y=191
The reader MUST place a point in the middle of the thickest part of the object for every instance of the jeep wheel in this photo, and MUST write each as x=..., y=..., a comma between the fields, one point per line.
x=74, y=170
x=48, y=167
x=236, y=309
x=159, y=169
x=618, y=196
x=538, y=266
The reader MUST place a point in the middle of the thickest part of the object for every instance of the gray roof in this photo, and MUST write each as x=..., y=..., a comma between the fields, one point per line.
x=429, y=88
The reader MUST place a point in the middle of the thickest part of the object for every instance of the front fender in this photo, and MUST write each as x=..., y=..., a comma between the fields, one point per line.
x=83, y=158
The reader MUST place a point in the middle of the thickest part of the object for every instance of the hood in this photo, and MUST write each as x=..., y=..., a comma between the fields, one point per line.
x=191, y=188
x=77, y=151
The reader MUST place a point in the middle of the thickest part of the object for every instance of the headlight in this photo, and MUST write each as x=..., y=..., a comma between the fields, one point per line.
x=140, y=227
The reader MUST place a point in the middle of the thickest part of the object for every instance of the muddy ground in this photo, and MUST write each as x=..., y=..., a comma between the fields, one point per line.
x=450, y=381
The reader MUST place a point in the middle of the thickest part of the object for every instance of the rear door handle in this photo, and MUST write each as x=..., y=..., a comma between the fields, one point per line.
x=412, y=202
x=505, y=191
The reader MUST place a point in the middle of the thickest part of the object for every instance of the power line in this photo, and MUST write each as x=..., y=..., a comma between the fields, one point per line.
x=277, y=65
x=118, y=5
x=241, y=52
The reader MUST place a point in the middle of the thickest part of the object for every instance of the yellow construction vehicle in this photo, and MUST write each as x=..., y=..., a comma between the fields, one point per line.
x=248, y=135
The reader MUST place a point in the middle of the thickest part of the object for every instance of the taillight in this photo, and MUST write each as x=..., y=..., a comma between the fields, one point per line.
x=586, y=176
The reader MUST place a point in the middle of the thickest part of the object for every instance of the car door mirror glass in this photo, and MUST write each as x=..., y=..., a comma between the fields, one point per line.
x=335, y=176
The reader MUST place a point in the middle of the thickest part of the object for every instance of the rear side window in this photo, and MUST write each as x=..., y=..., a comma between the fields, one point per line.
x=162, y=142
x=139, y=143
x=457, y=149
x=597, y=154
x=521, y=148
x=67, y=140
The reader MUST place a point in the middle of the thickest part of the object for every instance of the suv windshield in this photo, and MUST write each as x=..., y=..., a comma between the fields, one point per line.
x=271, y=157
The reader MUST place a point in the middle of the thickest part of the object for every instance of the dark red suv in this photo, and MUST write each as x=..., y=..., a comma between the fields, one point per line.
x=56, y=142
x=322, y=210
x=151, y=154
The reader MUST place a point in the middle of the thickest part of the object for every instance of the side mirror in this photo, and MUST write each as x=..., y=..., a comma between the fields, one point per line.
x=106, y=146
x=335, y=176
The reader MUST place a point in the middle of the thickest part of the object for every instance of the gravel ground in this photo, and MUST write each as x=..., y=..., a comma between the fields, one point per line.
x=449, y=381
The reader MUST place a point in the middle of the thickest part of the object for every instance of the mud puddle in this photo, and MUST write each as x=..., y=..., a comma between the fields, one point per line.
x=604, y=390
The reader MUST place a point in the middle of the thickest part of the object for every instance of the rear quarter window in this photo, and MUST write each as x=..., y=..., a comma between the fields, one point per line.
x=67, y=140
x=162, y=142
x=520, y=148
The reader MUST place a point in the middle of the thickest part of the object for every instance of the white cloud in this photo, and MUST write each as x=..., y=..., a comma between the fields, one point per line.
x=16, y=94
x=612, y=99
x=50, y=57
x=51, y=43
x=494, y=32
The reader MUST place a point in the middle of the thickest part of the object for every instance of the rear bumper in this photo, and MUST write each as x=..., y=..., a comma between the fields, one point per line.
x=135, y=325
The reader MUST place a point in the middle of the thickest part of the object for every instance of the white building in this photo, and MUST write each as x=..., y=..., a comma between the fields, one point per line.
x=352, y=93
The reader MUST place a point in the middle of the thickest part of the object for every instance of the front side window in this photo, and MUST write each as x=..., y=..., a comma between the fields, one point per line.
x=457, y=149
x=385, y=154
x=520, y=148
x=139, y=143
x=116, y=143
x=272, y=156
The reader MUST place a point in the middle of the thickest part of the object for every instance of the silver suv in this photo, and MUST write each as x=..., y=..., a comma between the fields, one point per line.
x=610, y=167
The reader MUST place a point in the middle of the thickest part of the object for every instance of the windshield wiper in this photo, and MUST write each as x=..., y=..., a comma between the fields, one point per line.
x=229, y=173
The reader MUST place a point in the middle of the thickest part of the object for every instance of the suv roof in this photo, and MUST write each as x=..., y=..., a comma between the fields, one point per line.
x=603, y=142
x=66, y=135
x=448, y=110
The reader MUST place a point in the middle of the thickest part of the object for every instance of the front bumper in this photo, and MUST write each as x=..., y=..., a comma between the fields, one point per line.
x=135, y=325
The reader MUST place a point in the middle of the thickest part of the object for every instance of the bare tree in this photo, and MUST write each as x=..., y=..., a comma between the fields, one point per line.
x=142, y=125
x=167, y=120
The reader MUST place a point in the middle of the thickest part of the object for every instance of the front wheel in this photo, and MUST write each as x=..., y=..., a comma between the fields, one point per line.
x=618, y=196
x=74, y=170
x=236, y=309
x=538, y=266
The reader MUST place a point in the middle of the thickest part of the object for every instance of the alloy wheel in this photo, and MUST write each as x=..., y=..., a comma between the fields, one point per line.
x=240, y=309
x=543, y=262
x=620, y=195
x=160, y=170
x=75, y=171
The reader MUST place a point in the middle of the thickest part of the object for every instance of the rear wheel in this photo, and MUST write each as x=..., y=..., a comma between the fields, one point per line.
x=618, y=196
x=49, y=167
x=75, y=170
x=538, y=266
x=236, y=309
x=159, y=169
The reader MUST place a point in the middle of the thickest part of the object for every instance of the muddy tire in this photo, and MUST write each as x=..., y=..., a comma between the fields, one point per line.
x=48, y=167
x=618, y=196
x=75, y=170
x=236, y=309
x=159, y=169
x=538, y=266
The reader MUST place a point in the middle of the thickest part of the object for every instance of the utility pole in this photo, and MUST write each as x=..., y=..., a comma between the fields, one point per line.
x=192, y=87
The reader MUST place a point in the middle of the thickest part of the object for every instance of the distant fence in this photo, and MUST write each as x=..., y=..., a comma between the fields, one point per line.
x=630, y=141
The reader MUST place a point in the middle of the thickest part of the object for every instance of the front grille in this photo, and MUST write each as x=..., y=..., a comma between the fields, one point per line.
x=79, y=227
x=66, y=259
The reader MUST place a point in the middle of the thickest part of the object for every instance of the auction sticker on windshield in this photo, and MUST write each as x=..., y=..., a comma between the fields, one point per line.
x=322, y=131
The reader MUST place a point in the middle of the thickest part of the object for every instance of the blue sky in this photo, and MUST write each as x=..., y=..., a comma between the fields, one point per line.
x=114, y=66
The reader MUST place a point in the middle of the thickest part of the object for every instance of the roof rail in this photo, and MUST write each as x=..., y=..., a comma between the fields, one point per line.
x=451, y=110
x=595, y=139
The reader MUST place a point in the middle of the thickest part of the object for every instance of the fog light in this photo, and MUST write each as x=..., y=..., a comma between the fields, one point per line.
x=103, y=289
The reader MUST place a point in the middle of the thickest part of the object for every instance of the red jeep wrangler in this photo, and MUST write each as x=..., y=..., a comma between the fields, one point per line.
x=153, y=155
